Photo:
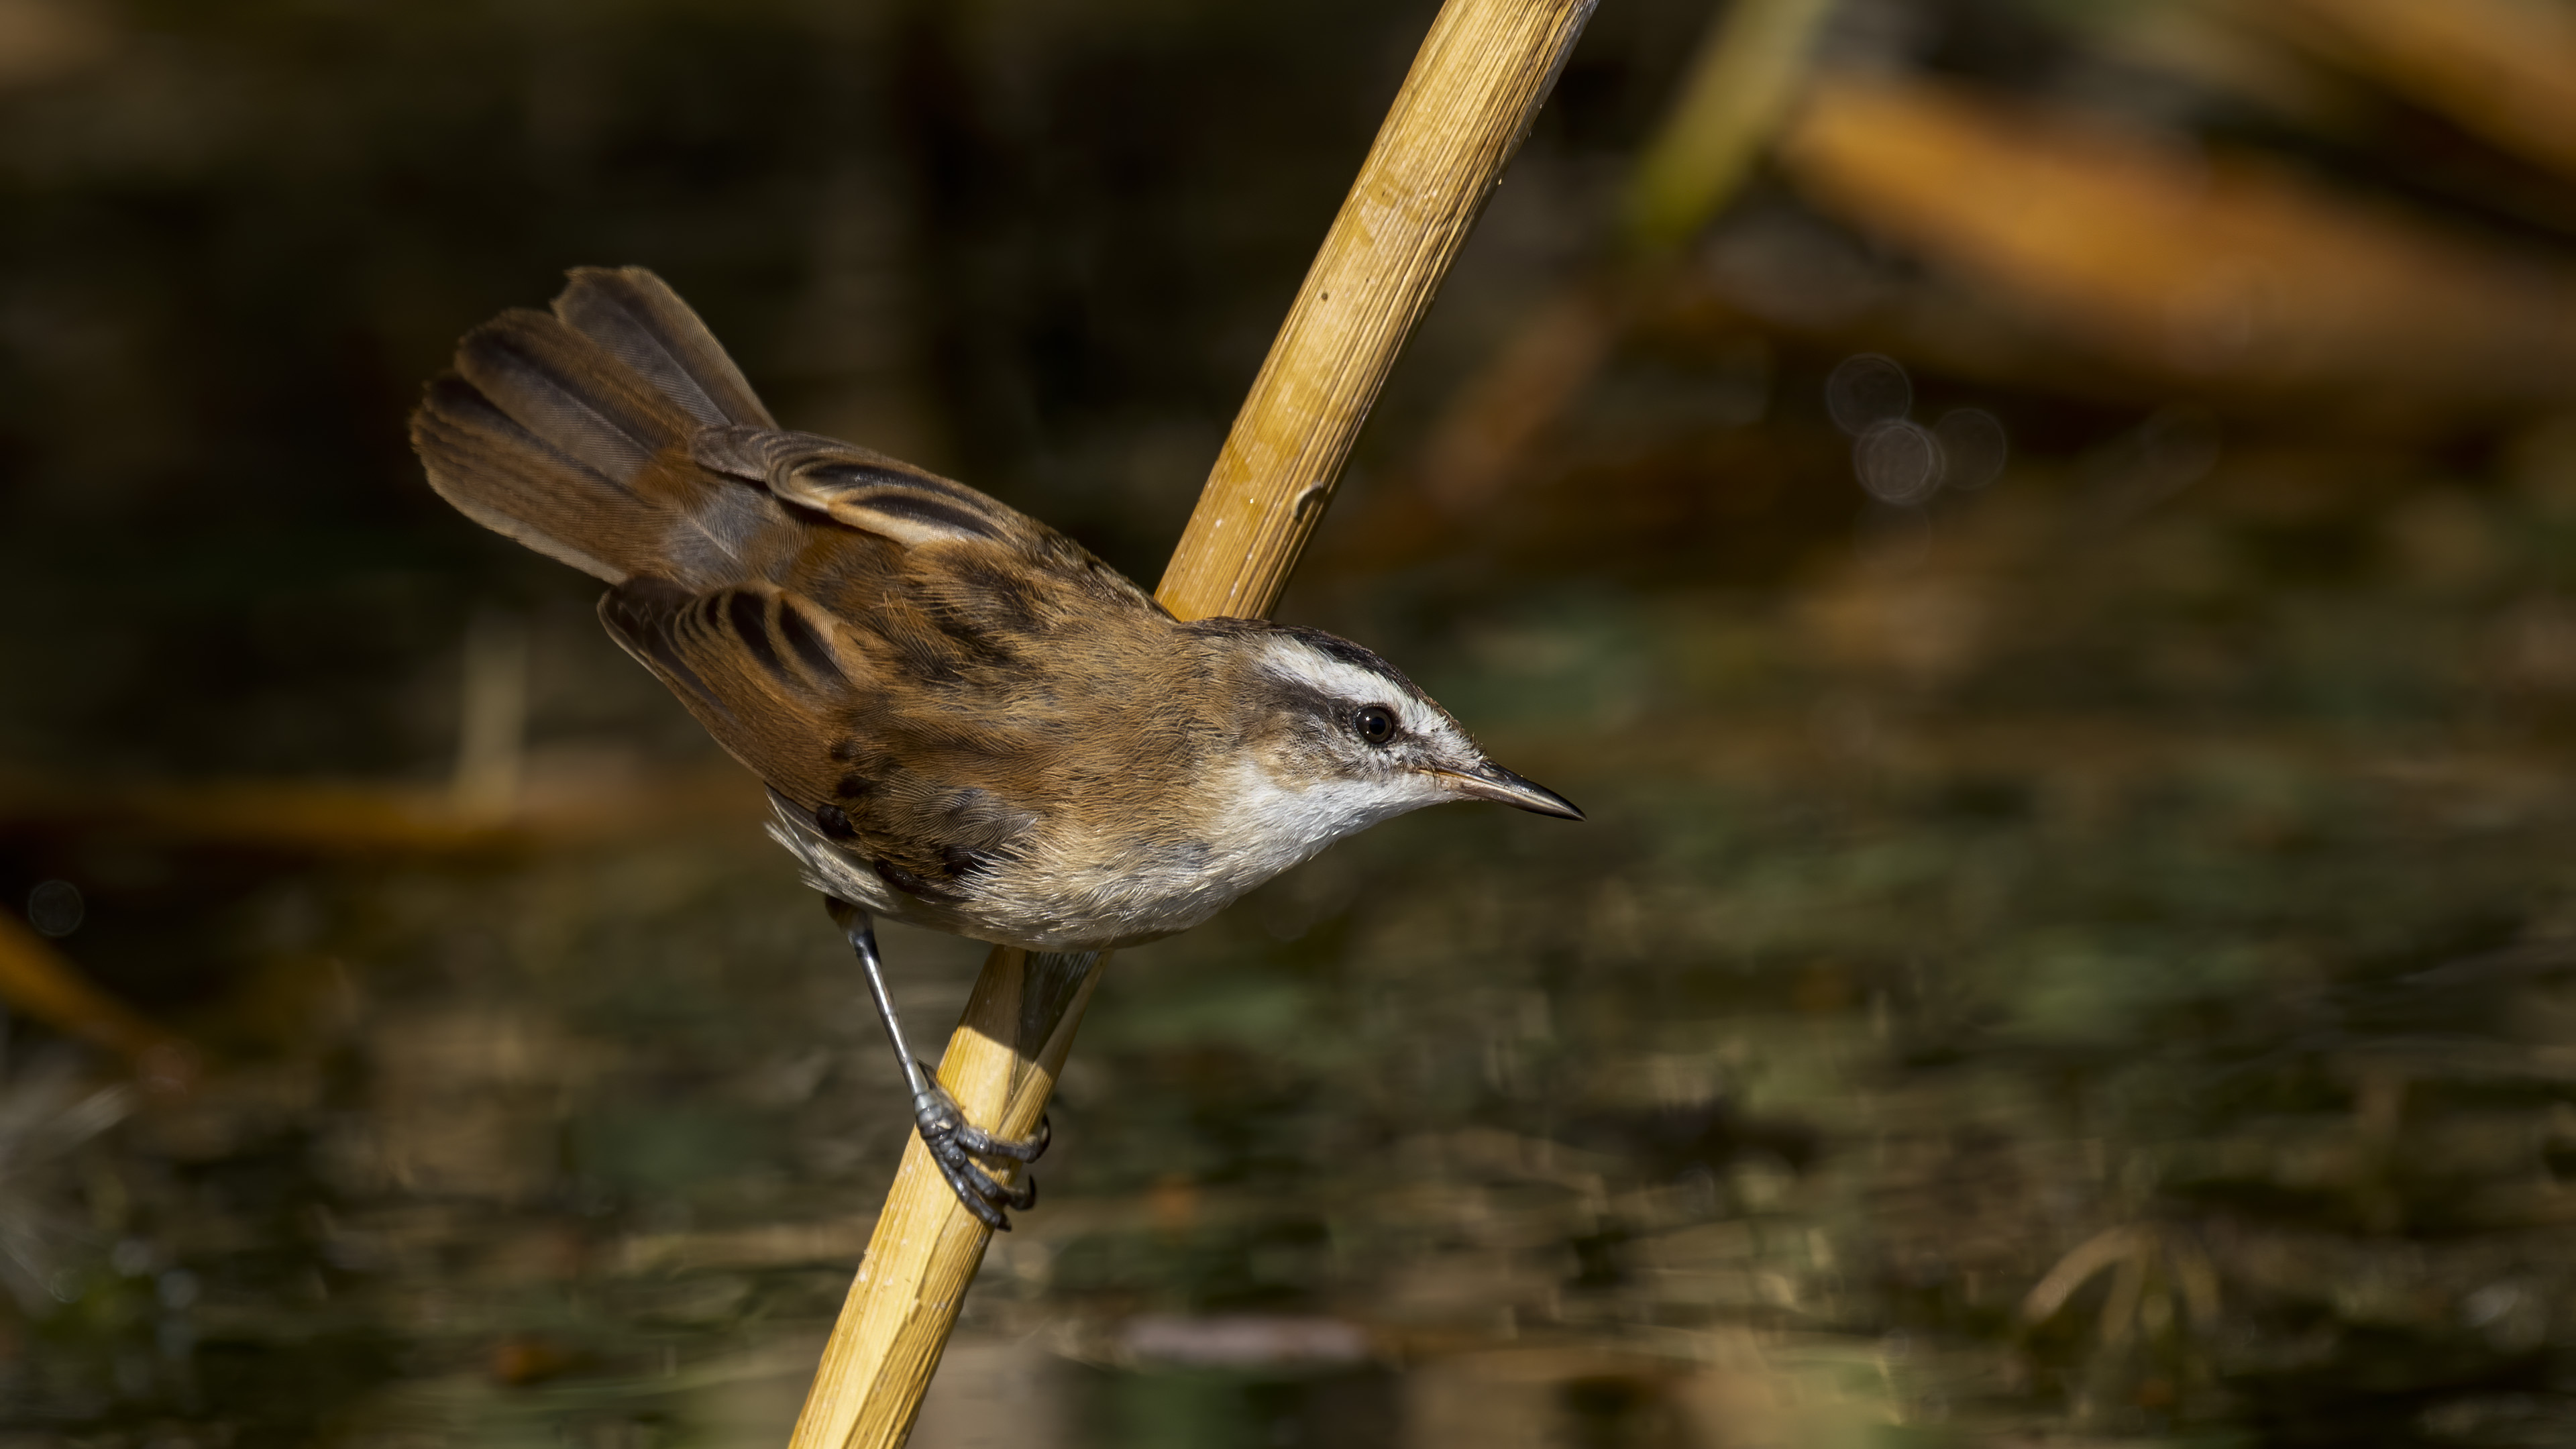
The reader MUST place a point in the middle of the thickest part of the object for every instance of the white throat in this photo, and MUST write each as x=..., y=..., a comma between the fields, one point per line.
x=1269, y=825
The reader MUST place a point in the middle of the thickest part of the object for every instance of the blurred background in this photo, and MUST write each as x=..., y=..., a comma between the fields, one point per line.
x=2042, y=531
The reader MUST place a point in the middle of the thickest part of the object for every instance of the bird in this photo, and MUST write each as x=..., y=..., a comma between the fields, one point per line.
x=964, y=719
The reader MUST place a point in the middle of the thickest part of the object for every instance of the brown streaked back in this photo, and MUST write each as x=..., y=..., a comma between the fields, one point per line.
x=949, y=691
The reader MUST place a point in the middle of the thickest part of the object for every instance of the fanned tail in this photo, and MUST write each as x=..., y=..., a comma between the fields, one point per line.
x=568, y=431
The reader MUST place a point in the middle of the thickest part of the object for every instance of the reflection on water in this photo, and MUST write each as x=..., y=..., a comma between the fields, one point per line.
x=2027, y=981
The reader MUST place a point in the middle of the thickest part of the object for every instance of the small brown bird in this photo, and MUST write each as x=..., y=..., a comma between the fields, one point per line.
x=965, y=720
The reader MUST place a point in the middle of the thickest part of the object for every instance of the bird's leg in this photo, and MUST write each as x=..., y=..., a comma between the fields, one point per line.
x=953, y=1141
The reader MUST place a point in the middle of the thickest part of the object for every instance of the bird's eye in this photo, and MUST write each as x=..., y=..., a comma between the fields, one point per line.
x=1375, y=723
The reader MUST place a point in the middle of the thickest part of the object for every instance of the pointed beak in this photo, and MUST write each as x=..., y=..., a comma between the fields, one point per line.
x=1490, y=781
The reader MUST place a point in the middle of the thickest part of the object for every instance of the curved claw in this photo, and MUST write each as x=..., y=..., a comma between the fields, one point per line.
x=954, y=1145
x=953, y=1167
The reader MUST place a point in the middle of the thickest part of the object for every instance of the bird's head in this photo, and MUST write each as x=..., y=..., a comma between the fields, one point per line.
x=1338, y=739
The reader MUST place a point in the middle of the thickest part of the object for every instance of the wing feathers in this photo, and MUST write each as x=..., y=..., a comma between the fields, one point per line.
x=643, y=615
x=810, y=640
x=752, y=642
x=795, y=681
x=865, y=490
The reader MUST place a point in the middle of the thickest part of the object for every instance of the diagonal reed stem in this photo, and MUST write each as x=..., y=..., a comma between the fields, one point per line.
x=1479, y=79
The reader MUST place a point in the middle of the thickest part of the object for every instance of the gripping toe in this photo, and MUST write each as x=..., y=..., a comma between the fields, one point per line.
x=955, y=1144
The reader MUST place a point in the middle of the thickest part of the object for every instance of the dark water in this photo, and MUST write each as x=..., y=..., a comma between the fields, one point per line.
x=2087, y=960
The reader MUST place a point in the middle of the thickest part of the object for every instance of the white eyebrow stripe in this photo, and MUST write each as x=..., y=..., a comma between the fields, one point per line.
x=1340, y=679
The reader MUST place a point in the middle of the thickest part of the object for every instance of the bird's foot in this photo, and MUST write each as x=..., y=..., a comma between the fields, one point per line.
x=955, y=1143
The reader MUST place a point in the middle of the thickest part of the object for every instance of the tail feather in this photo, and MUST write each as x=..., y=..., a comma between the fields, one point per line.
x=568, y=431
x=644, y=324
x=507, y=479
x=570, y=391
